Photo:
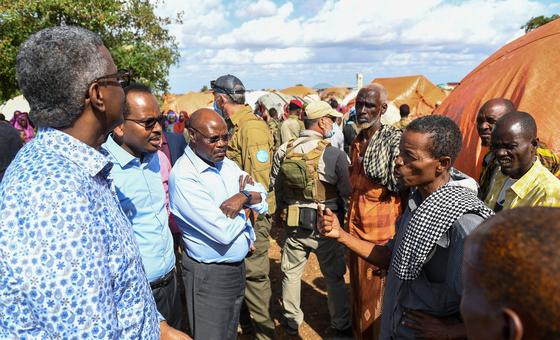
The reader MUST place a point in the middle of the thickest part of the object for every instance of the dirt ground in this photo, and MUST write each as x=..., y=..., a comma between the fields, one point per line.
x=316, y=324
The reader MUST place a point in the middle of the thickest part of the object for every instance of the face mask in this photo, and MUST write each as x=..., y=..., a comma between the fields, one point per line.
x=217, y=109
x=330, y=134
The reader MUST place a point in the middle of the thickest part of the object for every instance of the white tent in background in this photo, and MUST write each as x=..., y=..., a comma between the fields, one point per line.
x=14, y=104
x=251, y=97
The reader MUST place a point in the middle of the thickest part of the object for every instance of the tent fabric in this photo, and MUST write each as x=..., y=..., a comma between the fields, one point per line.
x=251, y=97
x=189, y=102
x=338, y=93
x=276, y=100
x=299, y=91
x=16, y=103
x=418, y=92
x=523, y=71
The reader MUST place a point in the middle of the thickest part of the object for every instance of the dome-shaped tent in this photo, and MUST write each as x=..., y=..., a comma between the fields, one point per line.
x=526, y=71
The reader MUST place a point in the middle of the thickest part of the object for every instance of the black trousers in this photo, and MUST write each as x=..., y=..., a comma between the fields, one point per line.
x=168, y=301
x=214, y=293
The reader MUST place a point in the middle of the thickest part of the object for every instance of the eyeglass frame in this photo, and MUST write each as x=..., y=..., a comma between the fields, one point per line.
x=224, y=138
x=119, y=75
x=158, y=120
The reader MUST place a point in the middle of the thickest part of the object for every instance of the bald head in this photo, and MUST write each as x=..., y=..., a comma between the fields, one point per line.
x=209, y=135
x=202, y=118
x=512, y=261
x=488, y=114
x=519, y=123
x=376, y=87
x=499, y=105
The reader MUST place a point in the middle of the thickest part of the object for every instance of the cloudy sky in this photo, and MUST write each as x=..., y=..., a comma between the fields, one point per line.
x=276, y=44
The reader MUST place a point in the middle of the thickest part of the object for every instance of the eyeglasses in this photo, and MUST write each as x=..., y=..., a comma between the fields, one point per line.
x=214, y=139
x=149, y=123
x=122, y=77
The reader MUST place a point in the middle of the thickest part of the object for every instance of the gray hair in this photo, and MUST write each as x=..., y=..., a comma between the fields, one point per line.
x=54, y=68
x=380, y=89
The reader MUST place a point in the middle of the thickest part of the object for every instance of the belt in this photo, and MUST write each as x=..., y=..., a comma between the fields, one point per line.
x=164, y=281
x=230, y=264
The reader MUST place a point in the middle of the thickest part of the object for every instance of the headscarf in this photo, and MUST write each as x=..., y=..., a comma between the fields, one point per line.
x=28, y=132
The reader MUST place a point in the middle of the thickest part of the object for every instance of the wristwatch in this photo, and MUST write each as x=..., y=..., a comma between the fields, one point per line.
x=248, y=195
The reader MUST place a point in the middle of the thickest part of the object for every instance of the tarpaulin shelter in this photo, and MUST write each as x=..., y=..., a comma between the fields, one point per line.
x=418, y=92
x=526, y=71
x=338, y=93
x=303, y=92
x=189, y=102
x=251, y=97
x=276, y=100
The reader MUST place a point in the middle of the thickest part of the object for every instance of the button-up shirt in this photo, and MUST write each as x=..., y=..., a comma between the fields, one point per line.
x=141, y=192
x=538, y=187
x=69, y=265
x=196, y=191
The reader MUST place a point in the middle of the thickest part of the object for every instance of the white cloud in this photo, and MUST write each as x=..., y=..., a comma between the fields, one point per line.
x=346, y=36
x=251, y=10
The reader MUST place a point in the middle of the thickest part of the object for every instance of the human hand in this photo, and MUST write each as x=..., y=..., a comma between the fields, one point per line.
x=328, y=224
x=169, y=333
x=430, y=327
x=244, y=180
x=233, y=205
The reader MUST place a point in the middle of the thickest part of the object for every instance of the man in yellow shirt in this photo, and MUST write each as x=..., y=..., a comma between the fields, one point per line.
x=489, y=113
x=523, y=180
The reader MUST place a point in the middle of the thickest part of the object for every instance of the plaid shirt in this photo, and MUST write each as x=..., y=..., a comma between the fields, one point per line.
x=373, y=208
x=538, y=187
x=490, y=167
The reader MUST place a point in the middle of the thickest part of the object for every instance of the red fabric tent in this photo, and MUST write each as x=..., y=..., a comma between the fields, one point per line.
x=525, y=71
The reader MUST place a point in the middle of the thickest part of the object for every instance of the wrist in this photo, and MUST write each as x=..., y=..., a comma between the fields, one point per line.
x=248, y=197
x=342, y=236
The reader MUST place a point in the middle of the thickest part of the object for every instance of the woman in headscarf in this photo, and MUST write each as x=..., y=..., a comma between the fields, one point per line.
x=23, y=124
x=170, y=121
x=179, y=126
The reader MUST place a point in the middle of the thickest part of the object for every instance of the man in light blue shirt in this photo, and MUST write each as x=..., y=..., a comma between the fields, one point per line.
x=214, y=202
x=136, y=174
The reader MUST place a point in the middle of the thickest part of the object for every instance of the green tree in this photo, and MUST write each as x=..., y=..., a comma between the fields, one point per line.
x=204, y=88
x=135, y=35
x=536, y=22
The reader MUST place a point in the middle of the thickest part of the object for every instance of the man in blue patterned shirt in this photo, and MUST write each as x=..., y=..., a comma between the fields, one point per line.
x=69, y=265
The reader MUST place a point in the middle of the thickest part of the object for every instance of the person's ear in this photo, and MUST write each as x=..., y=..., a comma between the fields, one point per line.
x=383, y=108
x=444, y=163
x=119, y=131
x=513, y=327
x=96, y=97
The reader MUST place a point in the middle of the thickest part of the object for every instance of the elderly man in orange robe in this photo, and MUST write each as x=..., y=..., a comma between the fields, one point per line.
x=375, y=204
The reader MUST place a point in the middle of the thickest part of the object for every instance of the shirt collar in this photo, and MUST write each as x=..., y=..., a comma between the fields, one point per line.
x=120, y=155
x=199, y=164
x=310, y=133
x=525, y=184
x=86, y=157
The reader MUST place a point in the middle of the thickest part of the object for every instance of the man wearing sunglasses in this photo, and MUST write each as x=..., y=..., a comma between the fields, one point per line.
x=212, y=199
x=138, y=173
x=69, y=263
x=251, y=148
